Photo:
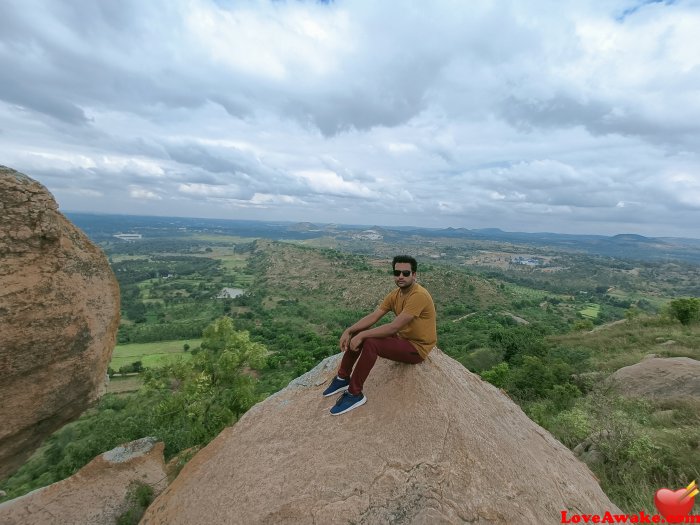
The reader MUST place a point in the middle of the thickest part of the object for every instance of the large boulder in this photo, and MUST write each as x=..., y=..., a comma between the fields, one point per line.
x=434, y=444
x=98, y=493
x=59, y=314
x=660, y=378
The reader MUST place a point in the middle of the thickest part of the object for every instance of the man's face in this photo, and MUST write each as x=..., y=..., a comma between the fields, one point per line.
x=401, y=280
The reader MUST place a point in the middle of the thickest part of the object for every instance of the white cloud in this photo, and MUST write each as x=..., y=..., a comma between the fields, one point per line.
x=143, y=194
x=578, y=116
x=206, y=190
x=328, y=182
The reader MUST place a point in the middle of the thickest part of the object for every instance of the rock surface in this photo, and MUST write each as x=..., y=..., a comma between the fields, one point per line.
x=660, y=378
x=97, y=493
x=59, y=314
x=434, y=444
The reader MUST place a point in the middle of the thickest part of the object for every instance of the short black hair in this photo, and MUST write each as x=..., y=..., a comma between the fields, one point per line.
x=405, y=259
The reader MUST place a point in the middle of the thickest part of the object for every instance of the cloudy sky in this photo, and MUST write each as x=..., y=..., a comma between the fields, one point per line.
x=573, y=116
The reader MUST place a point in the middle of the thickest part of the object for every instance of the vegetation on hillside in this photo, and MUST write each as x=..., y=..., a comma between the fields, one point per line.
x=548, y=335
x=640, y=445
x=184, y=404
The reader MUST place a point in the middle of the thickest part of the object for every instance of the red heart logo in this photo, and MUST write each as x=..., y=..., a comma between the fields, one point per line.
x=673, y=505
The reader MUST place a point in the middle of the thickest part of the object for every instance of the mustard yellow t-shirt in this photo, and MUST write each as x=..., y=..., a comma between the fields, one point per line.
x=422, y=331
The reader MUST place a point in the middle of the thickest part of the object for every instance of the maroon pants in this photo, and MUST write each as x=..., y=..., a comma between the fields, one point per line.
x=388, y=347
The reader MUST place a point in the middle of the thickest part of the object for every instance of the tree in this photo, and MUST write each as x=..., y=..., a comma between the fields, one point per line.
x=498, y=375
x=686, y=310
x=518, y=341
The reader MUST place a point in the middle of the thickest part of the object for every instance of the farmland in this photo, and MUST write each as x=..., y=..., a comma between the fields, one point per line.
x=152, y=355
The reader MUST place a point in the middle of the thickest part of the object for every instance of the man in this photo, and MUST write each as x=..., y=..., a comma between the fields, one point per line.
x=409, y=338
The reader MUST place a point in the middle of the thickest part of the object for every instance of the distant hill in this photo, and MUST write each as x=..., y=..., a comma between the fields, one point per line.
x=623, y=246
x=630, y=237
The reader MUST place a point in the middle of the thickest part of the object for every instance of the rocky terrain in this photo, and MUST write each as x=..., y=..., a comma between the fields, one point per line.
x=59, y=313
x=434, y=444
x=97, y=494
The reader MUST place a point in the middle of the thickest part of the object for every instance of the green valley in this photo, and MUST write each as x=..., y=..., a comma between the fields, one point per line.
x=218, y=321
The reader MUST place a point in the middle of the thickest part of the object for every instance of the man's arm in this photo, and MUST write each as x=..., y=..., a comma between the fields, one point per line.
x=386, y=330
x=364, y=323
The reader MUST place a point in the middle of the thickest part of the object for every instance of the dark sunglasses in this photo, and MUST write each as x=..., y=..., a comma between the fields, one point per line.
x=405, y=273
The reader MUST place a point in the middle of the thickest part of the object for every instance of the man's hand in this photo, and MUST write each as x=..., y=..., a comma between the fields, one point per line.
x=345, y=340
x=356, y=343
x=363, y=324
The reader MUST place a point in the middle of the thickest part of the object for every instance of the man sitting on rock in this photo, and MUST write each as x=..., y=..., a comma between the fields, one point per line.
x=409, y=338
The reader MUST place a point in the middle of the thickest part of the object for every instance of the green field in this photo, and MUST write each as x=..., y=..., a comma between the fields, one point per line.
x=124, y=385
x=523, y=292
x=590, y=311
x=151, y=354
x=657, y=301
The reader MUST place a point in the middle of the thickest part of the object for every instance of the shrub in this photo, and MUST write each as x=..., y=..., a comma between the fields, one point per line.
x=571, y=426
x=498, y=375
x=483, y=359
x=686, y=310
x=138, y=497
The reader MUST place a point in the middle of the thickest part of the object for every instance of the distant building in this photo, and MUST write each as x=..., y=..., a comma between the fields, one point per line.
x=526, y=261
x=128, y=237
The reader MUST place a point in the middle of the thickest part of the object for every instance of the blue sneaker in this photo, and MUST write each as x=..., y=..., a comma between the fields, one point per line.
x=347, y=402
x=337, y=385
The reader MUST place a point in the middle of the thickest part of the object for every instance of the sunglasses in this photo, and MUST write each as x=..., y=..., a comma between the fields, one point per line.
x=405, y=273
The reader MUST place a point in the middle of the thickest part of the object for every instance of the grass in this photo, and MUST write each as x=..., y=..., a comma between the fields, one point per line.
x=656, y=301
x=151, y=354
x=590, y=311
x=123, y=385
x=523, y=292
x=233, y=262
x=627, y=343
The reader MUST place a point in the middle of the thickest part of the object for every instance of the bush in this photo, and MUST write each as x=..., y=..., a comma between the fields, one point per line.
x=686, y=310
x=498, y=375
x=483, y=359
x=583, y=325
x=571, y=426
x=138, y=497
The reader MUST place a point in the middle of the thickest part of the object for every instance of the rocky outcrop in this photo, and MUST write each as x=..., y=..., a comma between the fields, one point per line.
x=97, y=494
x=59, y=313
x=434, y=444
x=660, y=378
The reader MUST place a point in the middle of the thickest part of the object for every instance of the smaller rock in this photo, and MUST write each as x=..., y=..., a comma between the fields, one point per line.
x=592, y=457
x=676, y=378
x=588, y=450
x=129, y=451
x=98, y=493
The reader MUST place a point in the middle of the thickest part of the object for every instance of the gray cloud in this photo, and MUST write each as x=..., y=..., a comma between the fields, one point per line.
x=574, y=116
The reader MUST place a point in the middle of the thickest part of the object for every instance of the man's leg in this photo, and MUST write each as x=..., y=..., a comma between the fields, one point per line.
x=392, y=348
x=346, y=364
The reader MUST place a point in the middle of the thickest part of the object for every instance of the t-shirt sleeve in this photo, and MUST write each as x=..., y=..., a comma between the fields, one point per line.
x=415, y=305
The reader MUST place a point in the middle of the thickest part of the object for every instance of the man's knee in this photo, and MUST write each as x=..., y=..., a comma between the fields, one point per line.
x=371, y=344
